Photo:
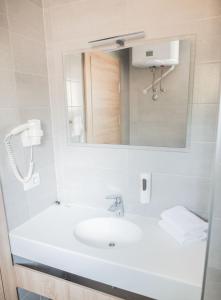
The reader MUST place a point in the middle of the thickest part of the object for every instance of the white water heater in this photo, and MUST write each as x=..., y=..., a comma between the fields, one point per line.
x=156, y=55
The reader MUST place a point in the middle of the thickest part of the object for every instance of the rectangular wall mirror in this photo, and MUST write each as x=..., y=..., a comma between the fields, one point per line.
x=133, y=96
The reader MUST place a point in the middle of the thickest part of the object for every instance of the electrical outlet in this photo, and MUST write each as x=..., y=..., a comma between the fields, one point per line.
x=33, y=182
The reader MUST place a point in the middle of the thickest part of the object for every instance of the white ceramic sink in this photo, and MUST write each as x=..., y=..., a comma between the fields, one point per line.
x=107, y=232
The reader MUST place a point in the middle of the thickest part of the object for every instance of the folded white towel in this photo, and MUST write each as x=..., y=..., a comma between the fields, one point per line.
x=183, y=239
x=183, y=220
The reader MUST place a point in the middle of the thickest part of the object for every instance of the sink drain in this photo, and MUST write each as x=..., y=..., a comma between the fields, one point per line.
x=111, y=244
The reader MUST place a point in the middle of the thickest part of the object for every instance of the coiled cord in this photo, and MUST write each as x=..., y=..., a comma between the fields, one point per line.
x=12, y=161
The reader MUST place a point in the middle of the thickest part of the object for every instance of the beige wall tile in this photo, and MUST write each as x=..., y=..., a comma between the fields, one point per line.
x=207, y=27
x=212, y=8
x=161, y=18
x=207, y=83
x=7, y=89
x=3, y=21
x=208, y=49
x=204, y=122
x=77, y=19
x=26, y=18
x=2, y=7
x=38, y=2
x=9, y=118
x=5, y=50
x=47, y=26
x=171, y=10
x=29, y=56
x=32, y=90
x=51, y=3
x=203, y=28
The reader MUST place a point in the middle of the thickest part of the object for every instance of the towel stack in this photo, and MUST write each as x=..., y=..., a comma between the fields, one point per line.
x=183, y=225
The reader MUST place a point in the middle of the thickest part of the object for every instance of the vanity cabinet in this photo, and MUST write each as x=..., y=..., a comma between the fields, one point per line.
x=2, y=297
x=7, y=278
x=55, y=288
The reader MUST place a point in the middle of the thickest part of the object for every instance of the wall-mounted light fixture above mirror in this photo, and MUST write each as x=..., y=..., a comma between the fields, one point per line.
x=130, y=96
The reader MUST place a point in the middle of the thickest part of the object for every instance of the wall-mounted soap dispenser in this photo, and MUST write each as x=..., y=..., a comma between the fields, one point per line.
x=145, y=187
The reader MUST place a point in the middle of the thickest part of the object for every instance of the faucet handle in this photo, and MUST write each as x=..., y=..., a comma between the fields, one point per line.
x=116, y=197
x=117, y=207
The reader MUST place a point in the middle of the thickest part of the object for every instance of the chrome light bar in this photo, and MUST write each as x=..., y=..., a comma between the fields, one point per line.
x=119, y=40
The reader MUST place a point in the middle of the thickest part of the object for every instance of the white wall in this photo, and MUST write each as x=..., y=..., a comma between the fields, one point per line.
x=87, y=174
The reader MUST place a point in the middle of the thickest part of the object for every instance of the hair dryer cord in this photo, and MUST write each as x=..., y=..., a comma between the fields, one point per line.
x=12, y=161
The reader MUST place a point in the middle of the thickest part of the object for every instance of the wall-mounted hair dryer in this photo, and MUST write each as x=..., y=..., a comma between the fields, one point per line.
x=31, y=134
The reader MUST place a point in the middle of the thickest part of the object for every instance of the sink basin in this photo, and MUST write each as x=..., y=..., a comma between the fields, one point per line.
x=107, y=232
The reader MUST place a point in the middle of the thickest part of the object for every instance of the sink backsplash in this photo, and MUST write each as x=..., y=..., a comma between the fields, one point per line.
x=177, y=178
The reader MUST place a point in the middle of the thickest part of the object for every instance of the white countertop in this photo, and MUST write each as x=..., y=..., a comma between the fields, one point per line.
x=156, y=266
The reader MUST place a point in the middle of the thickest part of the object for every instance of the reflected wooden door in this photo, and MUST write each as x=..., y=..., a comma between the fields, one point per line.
x=102, y=98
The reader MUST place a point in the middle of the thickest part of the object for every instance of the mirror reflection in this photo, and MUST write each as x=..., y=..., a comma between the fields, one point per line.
x=135, y=96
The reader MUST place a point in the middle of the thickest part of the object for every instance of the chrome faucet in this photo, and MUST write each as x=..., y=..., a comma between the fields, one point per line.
x=117, y=207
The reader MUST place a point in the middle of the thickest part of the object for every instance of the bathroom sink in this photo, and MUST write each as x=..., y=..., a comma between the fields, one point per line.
x=107, y=232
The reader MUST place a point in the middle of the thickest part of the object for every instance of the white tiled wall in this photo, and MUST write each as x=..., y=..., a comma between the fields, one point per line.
x=87, y=174
x=24, y=95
